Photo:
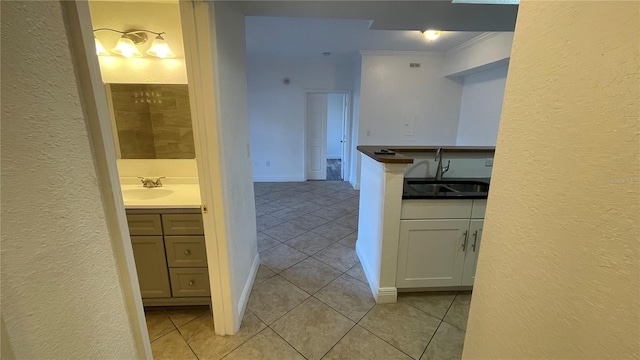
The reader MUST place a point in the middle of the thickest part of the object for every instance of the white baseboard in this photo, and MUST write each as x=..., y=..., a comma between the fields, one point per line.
x=277, y=178
x=382, y=295
x=246, y=290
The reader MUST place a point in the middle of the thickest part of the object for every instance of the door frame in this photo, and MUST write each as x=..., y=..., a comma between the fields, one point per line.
x=199, y=63
x=347, y=128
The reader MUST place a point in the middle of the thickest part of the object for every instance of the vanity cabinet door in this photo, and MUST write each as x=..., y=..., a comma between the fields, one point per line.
x=473, y=248
x=430, y=253
x=151, y=265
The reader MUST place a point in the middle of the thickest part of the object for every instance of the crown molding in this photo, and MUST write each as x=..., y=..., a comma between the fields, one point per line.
x=478, y=39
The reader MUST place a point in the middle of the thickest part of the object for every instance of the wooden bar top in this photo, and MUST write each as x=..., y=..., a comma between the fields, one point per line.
x=398, y=158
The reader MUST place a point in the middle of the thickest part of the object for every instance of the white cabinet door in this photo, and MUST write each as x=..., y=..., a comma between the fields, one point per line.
x=151, y=265
x=472, y=250
x=430, y=253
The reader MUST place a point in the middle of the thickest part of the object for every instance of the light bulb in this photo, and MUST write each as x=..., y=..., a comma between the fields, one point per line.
x=160, y=48
x=432, y=34
x=126, y=47
x=100, y=50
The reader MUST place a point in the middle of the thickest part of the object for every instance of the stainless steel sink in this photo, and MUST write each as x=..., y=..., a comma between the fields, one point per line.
x=469, y=187
x=429, y=188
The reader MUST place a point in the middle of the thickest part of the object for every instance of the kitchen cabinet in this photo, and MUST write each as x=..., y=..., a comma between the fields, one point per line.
x=439, y=243
x=170, y=255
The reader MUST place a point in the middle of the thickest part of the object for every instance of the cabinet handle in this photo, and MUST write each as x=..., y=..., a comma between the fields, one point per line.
x=475, y=239
x=191, y=283
x=187, y=252
x=464, y=244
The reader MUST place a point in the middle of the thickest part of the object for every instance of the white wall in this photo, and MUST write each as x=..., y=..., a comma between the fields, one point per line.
x=233, y=125
x=121, y=15
x=481, y=106
x=61, y=295
x=481, y=53
x=277, y=111
x=354, y=155
x=335, y=115
x=558, y=271
x=400, y=105
x=462, y=165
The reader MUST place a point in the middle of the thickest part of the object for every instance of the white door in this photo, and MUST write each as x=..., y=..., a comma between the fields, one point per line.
x=473, y=248
x=316, y=158
x=430, y=252
x=345, y=126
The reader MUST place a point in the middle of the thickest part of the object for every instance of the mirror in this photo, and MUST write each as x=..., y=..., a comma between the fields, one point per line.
x=151, y=121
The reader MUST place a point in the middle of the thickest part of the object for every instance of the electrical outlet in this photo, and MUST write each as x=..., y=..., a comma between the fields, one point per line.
x=488, y=162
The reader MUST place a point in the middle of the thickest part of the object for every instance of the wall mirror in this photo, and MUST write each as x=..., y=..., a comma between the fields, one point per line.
x=151, y=121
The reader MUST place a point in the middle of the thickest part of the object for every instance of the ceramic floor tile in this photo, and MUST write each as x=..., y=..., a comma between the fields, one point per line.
x=309, y=243
x=181, y=315
x=200, y=335
x=357, y=272
x=308, y=221
x=170, y=347
x=459, y=311
x=446, y=344
x=349, y=220
x=261, y=201
x=281, y=257
x=307, y=207
x=333, y=231
x=266, y=345
x=363, y=345
x=330, y=214
x=312, y=328
x=402, y=326
x=285, y=231
x=274, y=298
x=310, y=275
x=263, y=274
x=287, y=214
x=324, y=200
x=158, y=323
x=348, y=296
x=349, y=240
x=265, y=222
x=266, y=242
x=435, y=303
x=338, y=256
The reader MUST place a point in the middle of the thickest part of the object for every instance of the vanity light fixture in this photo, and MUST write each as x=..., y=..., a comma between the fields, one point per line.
x=127, y=45
x=431, y=35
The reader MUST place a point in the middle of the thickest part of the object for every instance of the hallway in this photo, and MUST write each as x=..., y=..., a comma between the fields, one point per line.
x=311, y=299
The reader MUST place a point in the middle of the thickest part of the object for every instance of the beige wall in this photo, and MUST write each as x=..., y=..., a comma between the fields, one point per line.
x=558, y=275
x=61, y=295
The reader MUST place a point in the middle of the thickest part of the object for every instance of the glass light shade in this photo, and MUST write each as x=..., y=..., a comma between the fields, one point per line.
x=126, y=48
x=432, y=34
x=160, y=48
x=100, y=50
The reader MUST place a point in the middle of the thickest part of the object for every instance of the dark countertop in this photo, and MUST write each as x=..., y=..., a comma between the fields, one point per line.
x=409, y=192
x=403, y=159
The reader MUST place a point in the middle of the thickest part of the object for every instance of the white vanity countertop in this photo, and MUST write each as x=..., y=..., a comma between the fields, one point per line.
x=177, y=192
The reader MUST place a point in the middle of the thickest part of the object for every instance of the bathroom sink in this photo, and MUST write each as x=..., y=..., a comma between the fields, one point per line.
x=146, y=193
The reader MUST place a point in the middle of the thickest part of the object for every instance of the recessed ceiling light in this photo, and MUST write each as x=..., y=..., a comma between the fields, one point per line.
x=431, y=35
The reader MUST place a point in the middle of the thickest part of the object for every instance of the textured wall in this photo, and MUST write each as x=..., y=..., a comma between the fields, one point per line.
x=559, y=265
x=153, y=121
x=61, y=296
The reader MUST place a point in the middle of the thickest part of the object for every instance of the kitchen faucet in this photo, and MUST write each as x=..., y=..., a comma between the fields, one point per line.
x=150, y=183
x=440, y=170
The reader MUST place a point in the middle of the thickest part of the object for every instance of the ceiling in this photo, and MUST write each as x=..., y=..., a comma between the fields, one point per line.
x=396, y=15
x=311, y=37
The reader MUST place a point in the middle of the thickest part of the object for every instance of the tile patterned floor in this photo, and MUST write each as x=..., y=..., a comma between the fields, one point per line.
x=310, y=298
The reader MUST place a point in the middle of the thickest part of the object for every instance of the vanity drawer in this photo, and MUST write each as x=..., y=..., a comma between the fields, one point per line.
x=182, y=224
x=144, y=224
x=189, y=282
x=185, y=251
x=436, y=209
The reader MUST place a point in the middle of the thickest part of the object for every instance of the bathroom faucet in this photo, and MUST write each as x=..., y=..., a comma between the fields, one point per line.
x=440, y=170
x=150, y=183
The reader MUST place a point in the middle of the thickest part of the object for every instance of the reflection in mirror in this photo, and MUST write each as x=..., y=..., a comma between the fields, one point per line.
x=152, y=121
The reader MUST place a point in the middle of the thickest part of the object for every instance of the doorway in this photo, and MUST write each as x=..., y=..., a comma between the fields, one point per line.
x=327, y=124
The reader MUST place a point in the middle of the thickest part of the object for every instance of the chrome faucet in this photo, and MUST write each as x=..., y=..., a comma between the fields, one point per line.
x=440, y=170
x=150, y=183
